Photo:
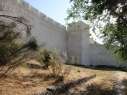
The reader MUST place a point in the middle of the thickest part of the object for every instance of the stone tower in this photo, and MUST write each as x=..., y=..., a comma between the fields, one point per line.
x=82, y=51
x=75, y=32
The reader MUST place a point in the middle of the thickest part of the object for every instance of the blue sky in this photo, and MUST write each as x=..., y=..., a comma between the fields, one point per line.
x=55, y=9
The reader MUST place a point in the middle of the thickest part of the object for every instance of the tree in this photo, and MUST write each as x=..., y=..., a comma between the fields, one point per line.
x=109, y=16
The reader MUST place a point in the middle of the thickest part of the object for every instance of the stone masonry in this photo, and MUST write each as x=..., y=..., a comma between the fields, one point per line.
x=73, y=41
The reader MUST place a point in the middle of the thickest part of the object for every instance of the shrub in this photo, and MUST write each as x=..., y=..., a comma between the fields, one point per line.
x=55, y=66
x=7, y=41
x=11, y=43
x=52, y=62
x=45, y=57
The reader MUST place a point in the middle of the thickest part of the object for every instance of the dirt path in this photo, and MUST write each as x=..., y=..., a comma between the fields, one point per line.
x=120, y=85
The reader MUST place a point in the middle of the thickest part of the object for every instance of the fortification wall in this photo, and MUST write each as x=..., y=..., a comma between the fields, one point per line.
x=75, y=40
x=74, y=43
x=84, y=52
x=47, y=32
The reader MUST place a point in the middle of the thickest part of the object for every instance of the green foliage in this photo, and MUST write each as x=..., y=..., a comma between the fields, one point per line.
x=7, y=41
x=32, y=44
x=100, y=12
x=116, y=40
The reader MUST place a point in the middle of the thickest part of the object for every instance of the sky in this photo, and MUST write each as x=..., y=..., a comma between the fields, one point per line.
x=55, y=9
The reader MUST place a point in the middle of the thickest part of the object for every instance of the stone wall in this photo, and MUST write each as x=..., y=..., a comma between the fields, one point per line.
x=73, y=44
x=75, y=40
x=84, y=52
x=48, y=33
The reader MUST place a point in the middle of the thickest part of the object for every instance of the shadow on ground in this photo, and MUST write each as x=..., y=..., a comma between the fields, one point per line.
x=63, y=88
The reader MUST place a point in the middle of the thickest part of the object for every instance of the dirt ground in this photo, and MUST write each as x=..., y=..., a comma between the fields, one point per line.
x=27, y=81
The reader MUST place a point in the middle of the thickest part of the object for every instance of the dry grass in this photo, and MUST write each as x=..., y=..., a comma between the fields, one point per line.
x=26, y=81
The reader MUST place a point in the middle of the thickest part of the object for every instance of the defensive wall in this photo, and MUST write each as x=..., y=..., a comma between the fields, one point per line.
x=72, y=42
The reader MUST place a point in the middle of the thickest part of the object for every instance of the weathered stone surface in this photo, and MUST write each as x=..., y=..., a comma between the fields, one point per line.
x=48, y=32
x=72, y=43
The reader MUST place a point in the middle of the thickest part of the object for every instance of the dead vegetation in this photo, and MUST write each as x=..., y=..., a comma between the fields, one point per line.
x=30, y=81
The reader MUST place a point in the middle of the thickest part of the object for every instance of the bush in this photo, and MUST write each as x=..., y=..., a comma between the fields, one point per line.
x=44, y=57
x=7, y=41
x=55, y=66
x=11, y=43
x=52, y=62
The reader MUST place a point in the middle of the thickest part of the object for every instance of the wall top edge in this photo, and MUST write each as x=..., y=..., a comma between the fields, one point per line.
x=50, y=20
